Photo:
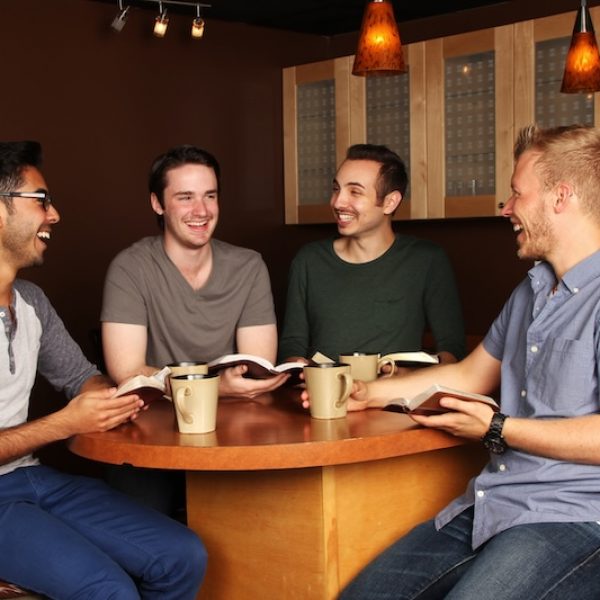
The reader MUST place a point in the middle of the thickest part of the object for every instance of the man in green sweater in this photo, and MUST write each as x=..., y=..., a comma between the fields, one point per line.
x=370, y=290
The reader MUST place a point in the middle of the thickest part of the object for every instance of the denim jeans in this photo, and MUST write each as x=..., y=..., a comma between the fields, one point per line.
x=74, y=537
x=548, y=561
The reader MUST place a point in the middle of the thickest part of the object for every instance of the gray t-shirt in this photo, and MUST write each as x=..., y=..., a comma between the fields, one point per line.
x=36, y=341
x=143, y=287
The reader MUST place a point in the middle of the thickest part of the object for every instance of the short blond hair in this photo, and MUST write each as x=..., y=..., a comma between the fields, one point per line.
x=569, y=154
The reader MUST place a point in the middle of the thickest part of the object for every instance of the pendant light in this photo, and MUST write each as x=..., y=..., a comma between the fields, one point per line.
x=379, y=49
x=582, y=65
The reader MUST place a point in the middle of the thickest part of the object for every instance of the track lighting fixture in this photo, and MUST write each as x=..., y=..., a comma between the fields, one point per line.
x=198, y=25
x=161, y=22
x=119, y=21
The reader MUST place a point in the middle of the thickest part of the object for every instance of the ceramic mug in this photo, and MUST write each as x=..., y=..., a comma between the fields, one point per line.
x=329, y=386
x=195, y=398
x=188, y=368
x=365, y=366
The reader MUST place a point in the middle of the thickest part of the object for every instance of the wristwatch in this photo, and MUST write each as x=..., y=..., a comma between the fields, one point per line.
x=493, y=439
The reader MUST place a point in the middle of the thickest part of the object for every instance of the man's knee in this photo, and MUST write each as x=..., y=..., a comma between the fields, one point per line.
x=183, y=560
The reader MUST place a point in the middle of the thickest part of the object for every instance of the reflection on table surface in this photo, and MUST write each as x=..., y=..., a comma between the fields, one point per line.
x=270, y=431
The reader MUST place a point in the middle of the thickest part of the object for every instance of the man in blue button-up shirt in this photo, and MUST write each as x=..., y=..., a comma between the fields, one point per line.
x=528, y=526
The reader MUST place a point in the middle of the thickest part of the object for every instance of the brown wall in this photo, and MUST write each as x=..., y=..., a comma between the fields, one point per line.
x=103, y=105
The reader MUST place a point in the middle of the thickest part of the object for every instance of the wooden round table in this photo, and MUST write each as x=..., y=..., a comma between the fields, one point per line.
x=290, y=506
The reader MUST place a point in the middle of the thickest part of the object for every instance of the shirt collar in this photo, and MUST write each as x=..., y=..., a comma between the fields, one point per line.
x=574, y=279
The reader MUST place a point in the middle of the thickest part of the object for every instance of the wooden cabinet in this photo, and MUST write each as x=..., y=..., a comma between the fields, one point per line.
x=453, y=117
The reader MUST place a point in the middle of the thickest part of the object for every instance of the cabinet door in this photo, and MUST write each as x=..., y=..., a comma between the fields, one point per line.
x=323, y=115
x=470, y=109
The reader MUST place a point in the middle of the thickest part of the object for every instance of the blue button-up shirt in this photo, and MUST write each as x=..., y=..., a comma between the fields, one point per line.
x=549, y=345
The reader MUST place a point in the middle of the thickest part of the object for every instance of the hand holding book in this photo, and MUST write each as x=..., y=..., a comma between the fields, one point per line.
x=428, y=401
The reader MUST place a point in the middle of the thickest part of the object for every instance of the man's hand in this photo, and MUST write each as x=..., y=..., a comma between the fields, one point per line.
x=466, y=419
x=233, y=383
x=96, y=410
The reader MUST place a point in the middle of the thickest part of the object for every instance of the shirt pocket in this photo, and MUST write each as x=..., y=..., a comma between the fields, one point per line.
x=565, y=374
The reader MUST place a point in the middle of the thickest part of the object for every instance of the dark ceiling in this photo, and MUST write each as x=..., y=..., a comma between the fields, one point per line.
x=320, y=17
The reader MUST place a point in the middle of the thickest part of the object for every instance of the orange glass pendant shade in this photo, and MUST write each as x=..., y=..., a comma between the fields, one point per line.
x=379, y=49
x=582, y=65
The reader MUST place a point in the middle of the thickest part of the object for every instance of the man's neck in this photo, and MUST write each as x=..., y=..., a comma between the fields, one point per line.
x=362, y=249
x=581, y=243
x=7, y=278
x=195, y=264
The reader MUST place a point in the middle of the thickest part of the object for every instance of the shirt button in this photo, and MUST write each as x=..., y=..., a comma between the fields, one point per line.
x=523, y=393
x=480, y=494
x=534, y=348
x=502, y=468
x=2, y=314
x=575, y=290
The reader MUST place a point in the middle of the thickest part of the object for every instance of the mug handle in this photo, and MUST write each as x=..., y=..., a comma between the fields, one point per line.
x=382, y=362
x=180, y=404
x=347, y=388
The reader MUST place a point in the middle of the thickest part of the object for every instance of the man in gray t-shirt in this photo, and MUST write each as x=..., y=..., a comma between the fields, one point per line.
x=184, y=295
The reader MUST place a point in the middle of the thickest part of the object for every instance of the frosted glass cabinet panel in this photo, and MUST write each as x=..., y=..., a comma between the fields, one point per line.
x=323, y=113
x=388, y=114
x=470, y=125
x=316, y=141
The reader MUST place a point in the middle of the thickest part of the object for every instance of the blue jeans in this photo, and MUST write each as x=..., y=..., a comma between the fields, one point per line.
x=74, y=537
x=549, y=561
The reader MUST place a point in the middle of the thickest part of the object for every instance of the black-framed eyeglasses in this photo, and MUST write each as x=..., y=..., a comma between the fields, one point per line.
x=42, y=197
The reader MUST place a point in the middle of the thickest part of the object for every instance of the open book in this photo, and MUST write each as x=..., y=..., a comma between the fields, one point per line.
x=148, y=387
x=407, y=359
x=258, y=367
x=428, y=401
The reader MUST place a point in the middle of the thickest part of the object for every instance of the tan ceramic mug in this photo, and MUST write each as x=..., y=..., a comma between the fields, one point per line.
x=188, y=368
x=329, y=386
x=365, y=366
x=195, y=398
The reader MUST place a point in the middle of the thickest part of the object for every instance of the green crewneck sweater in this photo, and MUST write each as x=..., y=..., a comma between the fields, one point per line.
x=383, y=305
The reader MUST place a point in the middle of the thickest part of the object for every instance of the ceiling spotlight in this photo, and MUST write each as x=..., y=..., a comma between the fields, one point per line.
x=121, y=18
x=198, y=25
x=161, y=22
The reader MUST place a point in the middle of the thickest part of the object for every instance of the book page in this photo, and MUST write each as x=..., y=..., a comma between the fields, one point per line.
x=413, y=357
x=148, y=388
x=258, y=367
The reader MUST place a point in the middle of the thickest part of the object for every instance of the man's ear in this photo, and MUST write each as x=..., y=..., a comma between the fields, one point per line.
x=391, y=202
x=563, y=196
x=156, y=207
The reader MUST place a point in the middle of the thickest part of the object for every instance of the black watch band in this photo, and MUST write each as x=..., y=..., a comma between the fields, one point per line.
x=493, y=439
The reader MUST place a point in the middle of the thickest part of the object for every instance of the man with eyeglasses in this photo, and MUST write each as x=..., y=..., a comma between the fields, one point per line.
x=66, y=536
